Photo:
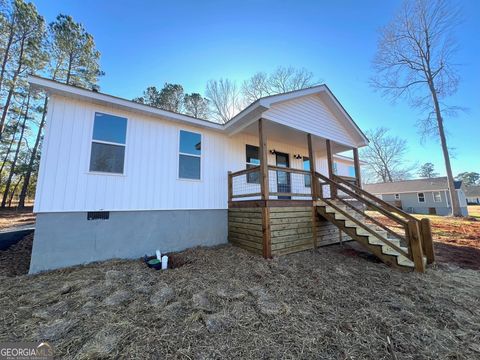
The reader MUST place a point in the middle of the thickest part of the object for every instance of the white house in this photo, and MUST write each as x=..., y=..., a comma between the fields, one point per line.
x=119, y=179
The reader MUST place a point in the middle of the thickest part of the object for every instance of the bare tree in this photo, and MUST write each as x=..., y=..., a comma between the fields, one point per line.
x=414, y=60
x=288, y=78
x=256, y=87
x=224, y=98
x=196, y=105
x=283, y=79
x=385, y=156
x=427, y=170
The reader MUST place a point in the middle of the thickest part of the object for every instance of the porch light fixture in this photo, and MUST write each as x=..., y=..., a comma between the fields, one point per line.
x=273, y=152
x=297, y=156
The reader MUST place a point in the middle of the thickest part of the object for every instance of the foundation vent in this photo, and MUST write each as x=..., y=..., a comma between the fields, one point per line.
x=98, y=215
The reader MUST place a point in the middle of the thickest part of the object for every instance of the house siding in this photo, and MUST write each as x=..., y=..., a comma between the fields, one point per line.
x=150, y=180
x=411, y=204
x=310, y=114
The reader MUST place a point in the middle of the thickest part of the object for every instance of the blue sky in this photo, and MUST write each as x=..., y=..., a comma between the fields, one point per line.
x=189, y=42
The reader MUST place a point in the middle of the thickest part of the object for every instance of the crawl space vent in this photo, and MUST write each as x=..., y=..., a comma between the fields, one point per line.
x=98, y=215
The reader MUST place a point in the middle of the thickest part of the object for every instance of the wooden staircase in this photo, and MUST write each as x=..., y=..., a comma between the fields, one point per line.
x=344, y=205
x=372, y=237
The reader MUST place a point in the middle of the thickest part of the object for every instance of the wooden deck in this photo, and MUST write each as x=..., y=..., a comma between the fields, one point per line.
x=289, y=223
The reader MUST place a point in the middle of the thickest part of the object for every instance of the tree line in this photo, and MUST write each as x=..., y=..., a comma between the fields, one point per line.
x=63, y=51
x=385, y=158
x=224, y=97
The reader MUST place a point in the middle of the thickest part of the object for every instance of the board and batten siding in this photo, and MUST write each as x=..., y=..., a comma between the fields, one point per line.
x=311, y=115
x=150, y=180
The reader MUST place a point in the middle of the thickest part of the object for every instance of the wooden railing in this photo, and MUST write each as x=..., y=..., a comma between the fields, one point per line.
x=416, y=233
x=282, y=183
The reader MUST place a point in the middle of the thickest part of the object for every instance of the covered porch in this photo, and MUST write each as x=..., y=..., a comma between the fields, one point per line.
x=285, y=202
x=283, y=166
x=272, y=200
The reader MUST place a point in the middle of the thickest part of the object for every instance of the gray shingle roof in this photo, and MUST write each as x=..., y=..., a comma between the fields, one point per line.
x=432, y=184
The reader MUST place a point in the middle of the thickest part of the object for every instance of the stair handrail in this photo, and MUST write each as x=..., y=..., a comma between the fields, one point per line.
x=378, y=200
x=373, y=220
x=361, y=199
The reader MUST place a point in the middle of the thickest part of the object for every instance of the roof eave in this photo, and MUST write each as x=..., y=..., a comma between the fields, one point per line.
x=54, y=87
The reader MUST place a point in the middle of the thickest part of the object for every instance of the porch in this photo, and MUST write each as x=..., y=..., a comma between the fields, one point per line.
x=276, y=209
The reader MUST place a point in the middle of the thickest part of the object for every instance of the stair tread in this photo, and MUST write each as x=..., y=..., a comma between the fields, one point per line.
x=373, y=239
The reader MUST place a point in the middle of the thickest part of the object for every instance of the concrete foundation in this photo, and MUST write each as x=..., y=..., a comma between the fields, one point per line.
x=66, y=239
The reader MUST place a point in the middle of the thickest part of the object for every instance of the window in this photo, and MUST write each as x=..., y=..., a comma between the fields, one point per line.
x=436, y=196
x=335, y=168
x=190, y=153
x=421, y=197
x=351, y=171
x=397, y=196
x=108, y=144
x=253, y=160
x=306, y=166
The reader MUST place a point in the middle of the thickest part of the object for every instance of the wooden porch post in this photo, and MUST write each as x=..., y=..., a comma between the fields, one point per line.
x=356, y=162
x=263, y=153
x=333, y=190
x=311, y=157
x=427, y=241
x=313, y=188
x=416, y=245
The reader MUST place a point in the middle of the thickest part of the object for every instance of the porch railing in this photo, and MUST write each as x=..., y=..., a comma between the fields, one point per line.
x=283, y=183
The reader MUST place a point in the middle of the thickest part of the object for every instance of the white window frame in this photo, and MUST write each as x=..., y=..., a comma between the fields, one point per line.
x=418, y=197
x=397, y=196
x=439, y=196
x=92, y=140
x=192, y=155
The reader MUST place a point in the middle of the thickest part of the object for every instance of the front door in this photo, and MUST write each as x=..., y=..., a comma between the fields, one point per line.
x=283, y=177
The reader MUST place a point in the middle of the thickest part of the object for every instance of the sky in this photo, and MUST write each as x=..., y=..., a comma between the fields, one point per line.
x=147, y=43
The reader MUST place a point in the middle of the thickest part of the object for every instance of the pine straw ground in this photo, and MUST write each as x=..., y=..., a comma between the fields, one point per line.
x=227, y=303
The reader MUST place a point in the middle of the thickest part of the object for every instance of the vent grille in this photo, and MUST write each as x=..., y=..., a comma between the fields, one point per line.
x=98, y=215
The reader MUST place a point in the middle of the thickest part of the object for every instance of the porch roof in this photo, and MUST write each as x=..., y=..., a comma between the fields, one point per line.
x=260, y=108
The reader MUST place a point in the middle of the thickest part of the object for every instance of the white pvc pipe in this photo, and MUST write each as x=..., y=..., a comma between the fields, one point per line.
x=164, y=262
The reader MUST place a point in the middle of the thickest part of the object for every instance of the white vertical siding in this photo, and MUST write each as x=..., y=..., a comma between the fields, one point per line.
x=150, y=180
x=311, y=115
x=151, y=165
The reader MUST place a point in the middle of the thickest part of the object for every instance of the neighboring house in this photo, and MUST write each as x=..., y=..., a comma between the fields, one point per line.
x=472, y=193
x=119, y=179
x=344, y=165
x=420, y=196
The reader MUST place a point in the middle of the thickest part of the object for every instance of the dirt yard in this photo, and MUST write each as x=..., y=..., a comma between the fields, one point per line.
x=12, y=217
x=225, y=303
x=456, y=240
